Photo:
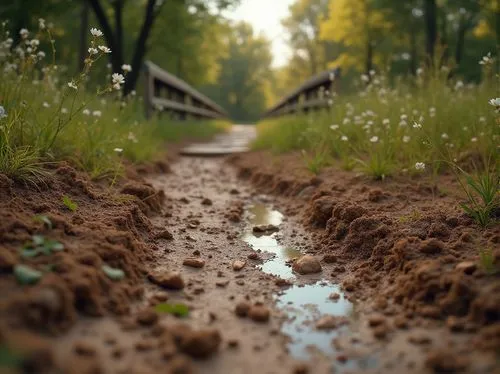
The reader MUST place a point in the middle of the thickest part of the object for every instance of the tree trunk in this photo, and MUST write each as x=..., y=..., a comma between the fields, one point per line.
x=369, y=57
x=430, y=9
x=140, y=48
x=118, y=59
x=84, y=30
x=459, y=50
x=413, y=50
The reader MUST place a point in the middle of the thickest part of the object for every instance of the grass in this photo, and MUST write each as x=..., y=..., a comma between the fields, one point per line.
x=47, y=116
x=418, y=127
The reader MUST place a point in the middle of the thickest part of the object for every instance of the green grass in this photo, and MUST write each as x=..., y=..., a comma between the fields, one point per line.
x=44, y=118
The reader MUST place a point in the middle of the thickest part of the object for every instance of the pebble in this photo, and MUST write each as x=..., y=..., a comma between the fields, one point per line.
x=238, y=265
x=206, y=201
x=307, y=265
x=242, y=309
x=147, y=317
x=84, y=349
x=374, y=321
x=164, y=234
x=334, y=296
x=169, y=280
x=194, y=262
x=202, y=343
x=329, y=322
x=259, y=313
x=468, y=267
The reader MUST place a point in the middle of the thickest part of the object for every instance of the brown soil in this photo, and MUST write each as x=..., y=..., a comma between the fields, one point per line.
x=403, y=248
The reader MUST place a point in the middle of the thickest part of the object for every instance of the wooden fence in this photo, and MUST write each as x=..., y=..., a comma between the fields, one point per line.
x=314, y=94
x=165, y=92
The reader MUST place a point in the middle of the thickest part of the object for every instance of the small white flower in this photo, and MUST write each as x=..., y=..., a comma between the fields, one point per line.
x=486, y=59
x=365, y=78
x=417, y=13
x=118, y=78
x=369, y=123
x=126, y=68
x=420, y=71
x=104, y=49
x=24, y=33
x=72, y=85
x=404, y=117
x=64, y=111
x=115, y=120
x=41, y=23
x=96, y=32
x=403, y=124
x=41, y=54
x=133, y=93
x=474, y=140
x=374, y=139
x=346, y=121
x=96, y=113
x=459, y=85
x=495, y=102
x=372, y=72
x=482, y=119
x=417, y=125
x=118, y=150
x=86, y=112
x=344, y=138
x=406, y=139
x=93, y=51
x=444, y=136
x=420, y=166
x=3, y=113
x=386, y=121
x=334, y=127
x=46, y=104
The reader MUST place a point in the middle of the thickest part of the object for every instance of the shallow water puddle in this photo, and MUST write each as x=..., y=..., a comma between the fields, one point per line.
x=260, y=214
x=304, y=304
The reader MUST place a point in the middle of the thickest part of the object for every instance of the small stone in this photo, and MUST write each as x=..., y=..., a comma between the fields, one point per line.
x=144, y=345
x=169, y=280
x=329, y=322
x=468, y=267
x=377, y=320
x=233, y=343
x=194, y=262
x=7, y=261
x=260, y=229
x=222, y=284
x=419, y=338
x=334, y=296
x=147, y=317
x=242, y=309
x=430, y=311
x=238, y=265
x=254, y=256
x=301, y=368
x=443, y=361
x=84, y=349
x=381, y=331
x=401, y=322
x=455, y=324
x=202, y=343
x=259, y=313
x=307, y=264
x=329, y=258
x=431, y=246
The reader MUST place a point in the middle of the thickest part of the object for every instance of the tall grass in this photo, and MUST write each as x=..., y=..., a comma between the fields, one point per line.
x=46, y=117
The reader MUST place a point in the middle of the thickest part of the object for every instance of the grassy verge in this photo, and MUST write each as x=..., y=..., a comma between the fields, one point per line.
x=47, y=117
x=428, y=125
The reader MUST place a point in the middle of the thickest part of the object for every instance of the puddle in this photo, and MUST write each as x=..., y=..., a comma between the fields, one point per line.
x=260, y=214
x=305, y=305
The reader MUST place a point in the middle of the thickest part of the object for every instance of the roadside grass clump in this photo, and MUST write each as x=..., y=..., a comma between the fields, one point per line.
x=487, y=262
x=47, y=116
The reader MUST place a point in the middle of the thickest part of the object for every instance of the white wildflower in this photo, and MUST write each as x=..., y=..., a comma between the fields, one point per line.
x=72, y=85
x=41, y=54
x=41, y=23
x=406, y=139
x=419, y=166
x=118, y=150
x=482, y=119
x=346, y=121
x=495, y=102
x=417, y=125
x=365, y=78
x=118, y=78
x=46, y=104
x=126, y=68
x=24, y=33
x=403, y=124
x=3, y=113
x=96, y=32
x=374, y=139
x=459, y=85
x=344, y=138
x=86, y=112
x=474, y=140
x=486, y=60
x=334, y=127
x=64, y=111
x=444, y=136
x=97, y=113
x=404, y=117
x=104, y=49
x=93, y=51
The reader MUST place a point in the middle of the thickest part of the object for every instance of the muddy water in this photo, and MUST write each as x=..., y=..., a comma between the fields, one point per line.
x=303, y=304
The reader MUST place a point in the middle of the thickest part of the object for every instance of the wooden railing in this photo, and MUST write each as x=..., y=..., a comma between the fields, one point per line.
x=165, y=92
x=315, y=93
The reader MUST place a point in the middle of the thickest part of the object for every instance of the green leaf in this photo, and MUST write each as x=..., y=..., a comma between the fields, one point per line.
x=29, y=252
x=70, y=204
x=54, y=245
x=45, y=220
x=37, y=240
x=113, y=273
x=26, y=275
x=178, y=310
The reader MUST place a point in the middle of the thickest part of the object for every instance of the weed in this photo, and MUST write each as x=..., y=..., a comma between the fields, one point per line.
x=178, y=310
x=45, y=220
x=70, y=204
x=39, y=245
x=315, y=161
x=415, y=215
x=113, y=273
x=487, y=261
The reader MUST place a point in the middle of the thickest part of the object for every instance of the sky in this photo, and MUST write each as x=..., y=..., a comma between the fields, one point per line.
x=265, y=16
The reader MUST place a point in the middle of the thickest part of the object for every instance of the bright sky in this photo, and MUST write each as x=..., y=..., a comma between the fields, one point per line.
x=265, y=16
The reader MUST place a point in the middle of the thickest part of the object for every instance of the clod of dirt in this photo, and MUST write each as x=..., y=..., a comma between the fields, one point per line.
x=168, y=280
x=419, y=338
x=238, y=265
x=329, y=258
x=329, y=322
x=468, y=267
x=254, y=256
x=431, y=246
x=147, y=317
x=261, y=229
x=307, y=264
x=259, y=313
x=151, y=198
x=443, y=361
x=194, y=262
x=164, y=234
x=7, y=261
x=334, y=296
x=242, y=309
x=206, y=201
x=201, y=344
x=321, y=211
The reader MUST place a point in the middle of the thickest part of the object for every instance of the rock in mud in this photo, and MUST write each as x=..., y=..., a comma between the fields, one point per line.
x=206, y=201
x=307, y=265
x=168, y=280
x=261, y=229
x=194, y=262
x=468, y=267
x=7, y=261
x=242, y=309
x=259, y=313
x=431, y=246
x=443, y=361
x=201, y=344
x=238, y=265
x=329, y=322
x=147, y=317
x=164, y=234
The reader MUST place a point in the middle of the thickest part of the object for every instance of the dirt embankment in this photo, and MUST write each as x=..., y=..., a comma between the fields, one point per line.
x=402, y=245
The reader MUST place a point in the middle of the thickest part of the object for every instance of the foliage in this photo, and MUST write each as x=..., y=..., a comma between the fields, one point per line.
x=113, y=273
x=69, y=203
x=487, y=261
x=44, y=219
x=39, y=245
x=26, y=275
x=178, y=310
